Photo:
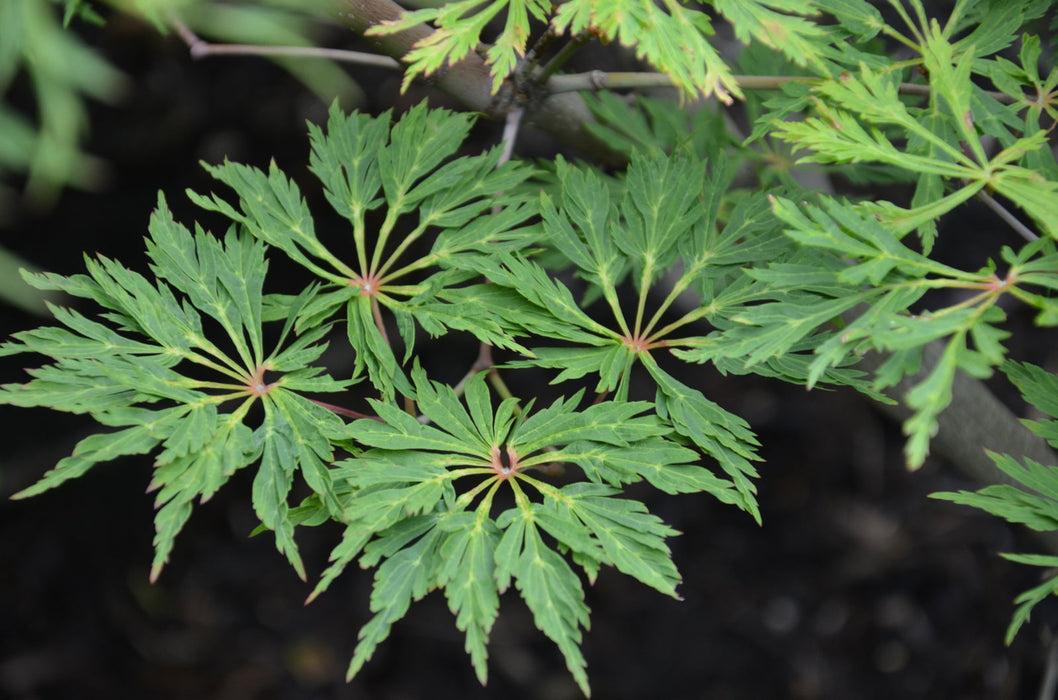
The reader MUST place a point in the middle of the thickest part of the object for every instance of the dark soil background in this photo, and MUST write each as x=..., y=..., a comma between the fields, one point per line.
x=857, y=585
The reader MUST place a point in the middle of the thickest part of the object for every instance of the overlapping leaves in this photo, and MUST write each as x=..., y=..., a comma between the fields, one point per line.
x=457, y=491
x=667, y=210
x=406, y=172
x=670, y=36
x=858, y=120
x=419, y=501
x=176, y=361
x=857, y=295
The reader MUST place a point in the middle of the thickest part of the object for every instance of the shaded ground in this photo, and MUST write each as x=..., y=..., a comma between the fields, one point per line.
x=857, y=585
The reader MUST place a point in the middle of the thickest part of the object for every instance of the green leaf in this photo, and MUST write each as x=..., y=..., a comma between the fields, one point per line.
x=200, y=456
x=665, y=465
x=1028, y=599
x=1040, y=388
x=673, y=39
x=614, y=423
x=586, y=210
x=769, y=22
x=438, y=318
x=928, y=398
x=612, y=362
x=373, y=351
x=839, y=134
x=1034, y=503
x=419, y=143
x=344, y=159
x=723, y=436
x=400, y=431
x=273, y=482
x=273, y=210
x=405, y=576
x=633, y=539
x=408, y=171
x=858, y=16
x=225, y=282
x=468, y=577
x=661, y=208
x=90, y=451
x=650, y=126
x=533, y=283
x=459, y=27
x=551, y=590
x=420, y=476
x=150, y=345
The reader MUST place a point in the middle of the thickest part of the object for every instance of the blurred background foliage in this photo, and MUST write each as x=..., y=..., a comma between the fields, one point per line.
x=49, y=74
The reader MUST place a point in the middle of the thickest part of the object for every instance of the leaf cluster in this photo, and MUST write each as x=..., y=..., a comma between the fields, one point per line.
x=174, y=360
x=608, y=284
x=858, y=283
x=673, y=37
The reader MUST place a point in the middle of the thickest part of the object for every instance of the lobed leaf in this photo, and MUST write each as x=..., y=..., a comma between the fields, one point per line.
x=151, y=347
x=468, y=577
x=1033, y=503
x=406, y=575
x=459, y=28
x=671, y=37
x=723, y=436
x=632, y=538
x=550, y=588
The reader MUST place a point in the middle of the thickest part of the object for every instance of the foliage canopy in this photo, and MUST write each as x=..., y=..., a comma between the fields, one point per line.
x=611, y=284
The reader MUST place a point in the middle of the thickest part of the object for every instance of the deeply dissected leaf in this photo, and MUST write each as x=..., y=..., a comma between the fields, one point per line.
x=772, y=23
x=468, y=577
x=723, y=436
x=405, y=576
x=459, y=27
x=858, y=297
x=551, y=590
x=668, y=260
x=671, y=37
x=633, y=540
x=422, y=494
x=406, y=170
x=153, y=344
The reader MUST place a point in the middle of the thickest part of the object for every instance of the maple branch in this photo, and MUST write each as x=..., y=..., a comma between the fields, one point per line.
x=590, y=81
x=200, y=48
x=563, y=55
x=510, y=135
x=595, y=80
x=483, y=363
x=1004, y=214
x=562, y=116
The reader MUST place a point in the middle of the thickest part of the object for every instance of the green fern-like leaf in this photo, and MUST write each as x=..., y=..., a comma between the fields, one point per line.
x=421, y=508
x=366, y=164
x=458, y=33
x=140, y=367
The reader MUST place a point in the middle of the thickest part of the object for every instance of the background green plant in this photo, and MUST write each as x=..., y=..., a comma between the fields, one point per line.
x=682, y=256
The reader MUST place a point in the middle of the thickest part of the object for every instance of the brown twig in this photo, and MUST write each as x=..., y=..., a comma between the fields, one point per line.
x=1004, y=214
x=596, y=80
x=200, y=48
x=342, y=411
